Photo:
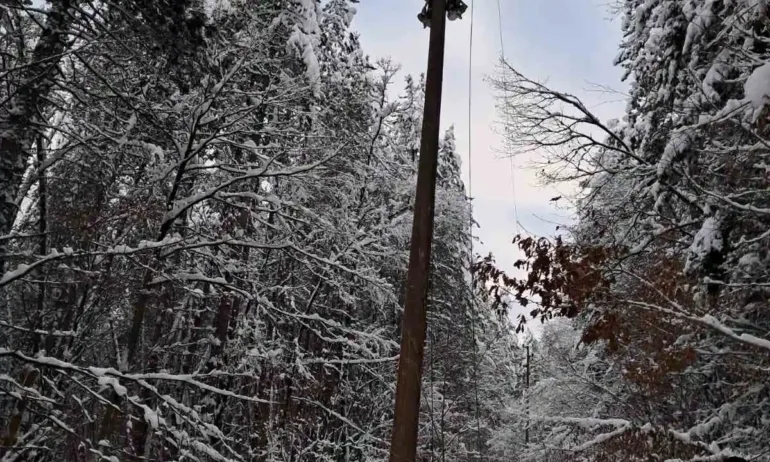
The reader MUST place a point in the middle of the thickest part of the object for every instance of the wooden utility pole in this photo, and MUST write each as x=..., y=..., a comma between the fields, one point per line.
x=526, y=384
x=403, y=447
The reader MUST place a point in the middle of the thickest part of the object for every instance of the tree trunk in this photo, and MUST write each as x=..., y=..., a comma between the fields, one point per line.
x=28, y=378
x=17, y=122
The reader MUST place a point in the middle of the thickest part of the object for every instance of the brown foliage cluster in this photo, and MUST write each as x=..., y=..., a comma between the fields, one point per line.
x=635, y=445
x=644, y=340
x=562, y=279
x=644, y=446
x=645, y=344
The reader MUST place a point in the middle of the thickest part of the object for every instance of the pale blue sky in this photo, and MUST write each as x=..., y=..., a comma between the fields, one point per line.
x=571, y=43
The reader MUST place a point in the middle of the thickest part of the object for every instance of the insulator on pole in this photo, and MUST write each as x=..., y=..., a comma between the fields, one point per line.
x=454, y=11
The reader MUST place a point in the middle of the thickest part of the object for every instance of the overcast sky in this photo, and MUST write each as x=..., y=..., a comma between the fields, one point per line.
x=571, y=43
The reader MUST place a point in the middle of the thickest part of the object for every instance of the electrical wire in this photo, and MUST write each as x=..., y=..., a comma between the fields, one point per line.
x=505, y=140
x=479, y=446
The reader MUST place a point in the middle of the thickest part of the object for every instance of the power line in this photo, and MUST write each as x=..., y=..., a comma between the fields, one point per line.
x=479, y=446
x=505, y=140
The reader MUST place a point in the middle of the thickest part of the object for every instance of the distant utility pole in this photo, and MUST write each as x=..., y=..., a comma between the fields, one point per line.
x=403, y=447
x=526, y=384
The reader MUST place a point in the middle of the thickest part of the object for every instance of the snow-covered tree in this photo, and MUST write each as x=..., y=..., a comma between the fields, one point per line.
x=210, y=244
x=671, y=227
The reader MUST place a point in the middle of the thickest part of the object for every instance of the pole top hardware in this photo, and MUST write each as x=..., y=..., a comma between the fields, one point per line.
x=454, y=10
